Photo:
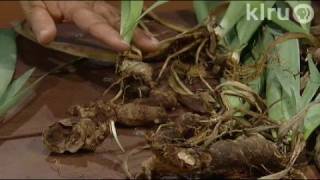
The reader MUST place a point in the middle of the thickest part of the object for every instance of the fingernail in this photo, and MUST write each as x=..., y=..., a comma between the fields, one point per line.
x=42, y=36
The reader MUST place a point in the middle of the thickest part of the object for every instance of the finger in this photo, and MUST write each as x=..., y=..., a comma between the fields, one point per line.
x=40, y=20
x=54, y=10
x=110, y=13
x=145, y=41
x=67, y=8
x=98, y=27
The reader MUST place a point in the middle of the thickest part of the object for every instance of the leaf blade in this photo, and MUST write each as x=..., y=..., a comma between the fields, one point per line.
x=202, y=8
x=246, y=28
x=18, y=84
x=235, y=11
x=135, y=16
x=313, y=84
x=7, y=58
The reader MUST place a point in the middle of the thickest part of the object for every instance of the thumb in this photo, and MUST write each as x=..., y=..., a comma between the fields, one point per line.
x=42, y=24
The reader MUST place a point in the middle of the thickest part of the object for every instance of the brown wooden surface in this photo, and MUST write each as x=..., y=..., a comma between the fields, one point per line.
x=10, y=11
x=27, y=158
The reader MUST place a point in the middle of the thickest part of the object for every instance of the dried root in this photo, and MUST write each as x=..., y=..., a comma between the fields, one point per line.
x=71, y=135
x=89, y=126
x=202, y=103
x=243, y=157
x=133, y=114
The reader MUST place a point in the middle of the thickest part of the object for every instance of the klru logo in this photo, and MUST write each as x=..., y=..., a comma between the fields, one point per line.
x=302, y=13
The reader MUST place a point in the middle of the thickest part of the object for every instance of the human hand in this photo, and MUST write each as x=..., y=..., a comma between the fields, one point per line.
x=98, y=18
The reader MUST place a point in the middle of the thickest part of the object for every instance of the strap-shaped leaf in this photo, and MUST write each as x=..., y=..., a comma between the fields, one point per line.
x=246, y=28
x=18, y=90
x=152, y=7
x=8, y=58
x=18, y=84
x=202, y=8
x=283, y=81
x=130, y=12
x=131, y=15
x=312, y=120
x=313, y=83
x=289, y=58
x=287, y=25
x=236, y=10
